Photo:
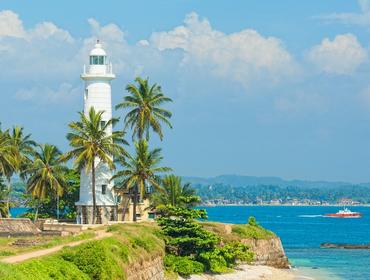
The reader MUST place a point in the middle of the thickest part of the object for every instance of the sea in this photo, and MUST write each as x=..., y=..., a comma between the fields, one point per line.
x=302, y=229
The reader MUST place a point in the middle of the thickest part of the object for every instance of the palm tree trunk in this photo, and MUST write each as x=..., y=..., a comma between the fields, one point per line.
x=135, y=203
x=37, y=210
x=9, y=179
x=125, y=208
x=93, y=192
x=57, y=206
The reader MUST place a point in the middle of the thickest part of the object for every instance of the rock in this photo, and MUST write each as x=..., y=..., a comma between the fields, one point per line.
x=345, y=246
x=268, y=252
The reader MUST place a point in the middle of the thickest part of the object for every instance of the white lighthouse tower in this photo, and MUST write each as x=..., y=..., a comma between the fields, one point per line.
x=97, y=76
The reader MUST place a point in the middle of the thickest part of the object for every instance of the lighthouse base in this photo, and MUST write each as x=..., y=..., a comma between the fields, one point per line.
x=103, y=215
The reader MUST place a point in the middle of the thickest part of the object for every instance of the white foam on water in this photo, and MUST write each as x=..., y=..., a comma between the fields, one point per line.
x=310, y=216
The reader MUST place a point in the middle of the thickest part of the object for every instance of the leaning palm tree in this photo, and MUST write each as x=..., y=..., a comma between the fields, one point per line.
x=144, y=111
x=139, y=171
x=23, y=147
x=173, y=192
x=92, y=144
x=47, y=174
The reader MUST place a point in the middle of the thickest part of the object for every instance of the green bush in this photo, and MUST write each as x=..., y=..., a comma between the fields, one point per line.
x=97, y=258
x=188, y=244
x=183, y=265
x=252, y=221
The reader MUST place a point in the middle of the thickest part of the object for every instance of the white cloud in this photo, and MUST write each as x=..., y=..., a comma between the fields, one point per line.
x=43, y=94
x=11, y=25
x=339, y=56
x=46, y=30
x=244, y=56
x=361, y=18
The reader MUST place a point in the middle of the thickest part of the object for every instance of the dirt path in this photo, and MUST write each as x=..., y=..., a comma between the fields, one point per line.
x=35, y=254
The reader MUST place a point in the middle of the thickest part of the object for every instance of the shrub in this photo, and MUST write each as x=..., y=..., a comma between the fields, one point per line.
x=252, y=221
x=189, y=244
x=96, y=259
x=183, y=265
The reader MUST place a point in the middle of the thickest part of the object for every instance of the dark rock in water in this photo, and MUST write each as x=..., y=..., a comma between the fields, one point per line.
x=345, y=246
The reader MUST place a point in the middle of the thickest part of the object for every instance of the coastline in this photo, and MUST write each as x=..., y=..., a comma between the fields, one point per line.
x=254, y=272
x=290, y=205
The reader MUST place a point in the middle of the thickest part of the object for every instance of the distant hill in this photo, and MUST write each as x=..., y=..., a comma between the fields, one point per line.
x=243, y=181
x=235, y=189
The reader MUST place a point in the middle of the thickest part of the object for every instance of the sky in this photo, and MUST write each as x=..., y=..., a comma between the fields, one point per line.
x=260, y=88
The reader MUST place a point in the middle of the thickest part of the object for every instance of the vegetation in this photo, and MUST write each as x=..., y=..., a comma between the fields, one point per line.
x=139, y=171
x=144, y=101
x=90, y=141
x=254, y=194
x=8, y=247
x=67, y=209
x=47, y=175
x=193, y=249
x=173, y=193
x=108, y=258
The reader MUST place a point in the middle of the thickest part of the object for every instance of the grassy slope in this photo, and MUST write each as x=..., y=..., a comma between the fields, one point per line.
x=100, y=259
x=43, y=242
x=237, y=232
x=108, y=258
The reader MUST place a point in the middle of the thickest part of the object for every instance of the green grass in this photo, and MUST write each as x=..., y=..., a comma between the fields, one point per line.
x=230, y=232
x=252, y=231
x=43, y=242
x=103, y=259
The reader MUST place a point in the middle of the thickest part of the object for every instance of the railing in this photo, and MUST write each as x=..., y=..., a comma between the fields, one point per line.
x=108, y=69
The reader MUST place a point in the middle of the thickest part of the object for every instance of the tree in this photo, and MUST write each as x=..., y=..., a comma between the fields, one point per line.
x=144, y=101
x=173, y=193
x=191, y=248
x=139, y=171
x=4, y=193
x=9, y=160
x=91, y=144
x=47, y=174
x=23, y=150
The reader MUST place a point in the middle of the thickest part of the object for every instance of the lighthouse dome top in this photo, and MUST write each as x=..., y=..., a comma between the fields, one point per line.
x=98, y=50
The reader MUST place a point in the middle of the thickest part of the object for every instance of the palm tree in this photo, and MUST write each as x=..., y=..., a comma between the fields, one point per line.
x=23, y=146
x=8, y=160
x=174, y=193
x=144, y=101
x=139, y=171
x=92, y=144
x=47, y=174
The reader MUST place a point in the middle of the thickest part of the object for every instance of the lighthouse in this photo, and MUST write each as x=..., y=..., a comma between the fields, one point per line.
x=97, y=76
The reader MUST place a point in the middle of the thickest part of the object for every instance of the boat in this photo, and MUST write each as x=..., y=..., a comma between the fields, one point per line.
x=345, y=213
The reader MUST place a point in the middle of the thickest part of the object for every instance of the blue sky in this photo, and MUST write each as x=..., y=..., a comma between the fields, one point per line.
x=265, y=88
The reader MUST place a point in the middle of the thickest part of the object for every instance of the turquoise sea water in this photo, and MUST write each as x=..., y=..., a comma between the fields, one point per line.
x=17, y=211
x=302, y=230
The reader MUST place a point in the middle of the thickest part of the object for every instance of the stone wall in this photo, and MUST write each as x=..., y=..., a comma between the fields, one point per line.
x=146, y=270
x=17, y=227
x=268, y=252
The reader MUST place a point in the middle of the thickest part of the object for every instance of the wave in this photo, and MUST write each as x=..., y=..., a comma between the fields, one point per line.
x=310, y=216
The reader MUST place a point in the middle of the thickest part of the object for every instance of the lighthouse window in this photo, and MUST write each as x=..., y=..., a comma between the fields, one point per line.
x=102, y=123
x=103, y=189
x=97, y=60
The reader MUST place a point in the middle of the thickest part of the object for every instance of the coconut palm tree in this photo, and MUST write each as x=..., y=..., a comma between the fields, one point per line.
x=47, y=174
x=173, y=192
x=144, y=113
x=8, y=160
x=92, y=144
x=23, y=147
x=139, y=171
